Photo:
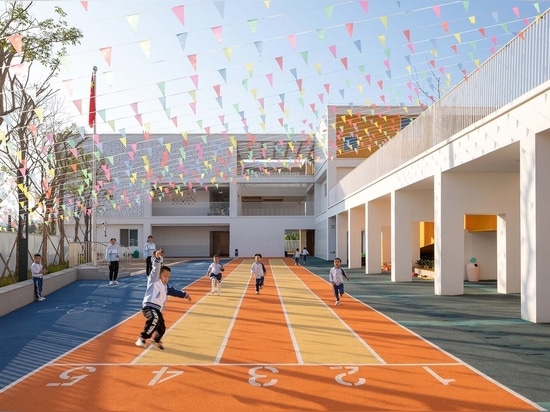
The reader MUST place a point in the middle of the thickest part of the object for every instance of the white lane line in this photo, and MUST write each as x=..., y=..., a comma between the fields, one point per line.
x=287, y=319
x=344, y=324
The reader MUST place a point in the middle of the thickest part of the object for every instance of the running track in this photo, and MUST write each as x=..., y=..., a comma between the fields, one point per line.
x=287, y=349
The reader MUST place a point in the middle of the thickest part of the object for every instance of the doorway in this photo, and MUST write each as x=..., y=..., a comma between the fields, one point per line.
x=219, y=243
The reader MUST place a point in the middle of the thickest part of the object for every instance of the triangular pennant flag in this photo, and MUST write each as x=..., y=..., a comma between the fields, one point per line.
x=259, y=46
x=193, y=60
x=106, y=53
x=182, y=37
x=217, y=33
x=253, y=24
x=179, y=12
x=133, y=21
x=220, y=6
x=146, y=47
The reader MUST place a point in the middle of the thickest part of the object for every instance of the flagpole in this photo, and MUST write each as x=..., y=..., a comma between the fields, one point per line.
x=92, y=122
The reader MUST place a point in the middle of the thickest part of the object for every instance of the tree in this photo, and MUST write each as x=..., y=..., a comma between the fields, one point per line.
x=27, y=45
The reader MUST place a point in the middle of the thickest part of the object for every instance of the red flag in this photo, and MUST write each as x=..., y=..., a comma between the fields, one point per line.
x=91, y=118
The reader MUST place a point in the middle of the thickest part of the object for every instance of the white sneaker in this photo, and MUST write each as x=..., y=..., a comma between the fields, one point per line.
x=41, y=298
x=337, y=303
x=141, y=342
x=111, y=282
x=115, y=282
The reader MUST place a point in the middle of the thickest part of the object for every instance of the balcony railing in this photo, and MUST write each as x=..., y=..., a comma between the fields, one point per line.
x=277, y=209
x=193, y=209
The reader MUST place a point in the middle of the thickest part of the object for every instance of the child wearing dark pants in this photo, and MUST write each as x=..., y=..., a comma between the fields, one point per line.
x=155, y=298
x=258, y=271
x=336, y=278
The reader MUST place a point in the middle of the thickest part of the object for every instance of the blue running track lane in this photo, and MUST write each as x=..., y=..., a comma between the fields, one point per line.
x=42, y=331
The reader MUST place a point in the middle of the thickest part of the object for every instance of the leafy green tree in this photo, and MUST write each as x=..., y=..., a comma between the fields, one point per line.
x=28, y=45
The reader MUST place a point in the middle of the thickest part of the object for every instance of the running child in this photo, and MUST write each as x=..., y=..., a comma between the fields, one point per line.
x=336, y=277
x=154, y=300
x=258, y=271
x=215, y=273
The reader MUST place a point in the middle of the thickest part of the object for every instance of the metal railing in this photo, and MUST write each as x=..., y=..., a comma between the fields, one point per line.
x=276, y=209
x=520, y=66
x=193, y=209
x=93, y=254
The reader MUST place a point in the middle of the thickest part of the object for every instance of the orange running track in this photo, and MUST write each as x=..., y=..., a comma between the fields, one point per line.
x=286, y=349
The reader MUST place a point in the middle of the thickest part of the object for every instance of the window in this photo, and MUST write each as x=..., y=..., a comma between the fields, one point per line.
x=350, y=143
x=129, y=237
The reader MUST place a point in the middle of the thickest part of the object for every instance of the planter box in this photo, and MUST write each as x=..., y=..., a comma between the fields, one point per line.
x=425, y=273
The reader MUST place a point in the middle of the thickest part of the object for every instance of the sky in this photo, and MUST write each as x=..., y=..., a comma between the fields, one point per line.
x=255, y=66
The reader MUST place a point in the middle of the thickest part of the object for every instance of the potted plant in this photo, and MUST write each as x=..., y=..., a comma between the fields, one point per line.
x=472, y=270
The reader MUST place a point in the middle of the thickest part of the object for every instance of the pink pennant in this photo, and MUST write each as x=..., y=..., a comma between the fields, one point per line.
x=482, y=31
x=279, y=62
x=387, y=64
x=455, y=48
x=333, y=50
x=179, y=12
x=411, y=47
x=138, y=118
x=349, y=28
x=193, y=60
x=367, y=78
x=195, y=80
x=344, y=61
x=516, y=11
x=33, y=128
x=175, y=121
x=199, y=151
x=78, y=104
x=292, y=40
x=437, y=11
x=445, y=26
x=193, y=107
x=365, y=5
x=217, y=89
x=327, y=87
x=84, y=4
x=16, y=41
x=407, y=34
x=381, y=84
x=218, y=33
x=269, y=77
x=106, y=52
x=134, y=107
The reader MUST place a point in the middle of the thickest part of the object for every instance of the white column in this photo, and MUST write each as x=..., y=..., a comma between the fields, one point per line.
x=356, y=224
x=401, y=229
x=449, y=234
x=409, y=207
x=377, y=235
x=535, y=227
x=342, y=237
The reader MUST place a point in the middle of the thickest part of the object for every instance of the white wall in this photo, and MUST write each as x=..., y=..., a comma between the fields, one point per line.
x=482, y=246
x=264, y=234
